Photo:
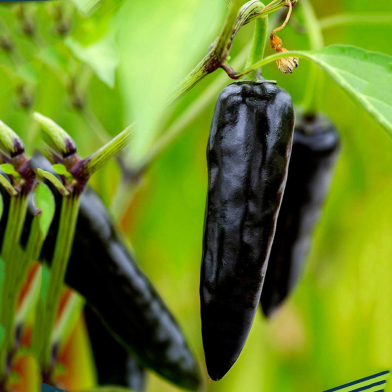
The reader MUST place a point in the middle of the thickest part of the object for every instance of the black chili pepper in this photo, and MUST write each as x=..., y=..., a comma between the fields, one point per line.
x=103, y=270
x=248, y=154
x=114, y=365
x=315, y=149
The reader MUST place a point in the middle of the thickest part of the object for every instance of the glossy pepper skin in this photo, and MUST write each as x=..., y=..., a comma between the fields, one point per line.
x=248, y=154
x=114, y=365
x=104, y=271
x=315, y=149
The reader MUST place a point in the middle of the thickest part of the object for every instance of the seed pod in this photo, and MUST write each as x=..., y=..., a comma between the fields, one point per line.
x=114, y=365
x=315, y=149
x=248, y=154
x=103, y=270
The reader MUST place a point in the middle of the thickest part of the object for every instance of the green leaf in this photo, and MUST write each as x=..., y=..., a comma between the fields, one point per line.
x=101, y=56
x=61, y=170
x=45, y=201
x=7, y=168
x=366, y=76
x=158, y=54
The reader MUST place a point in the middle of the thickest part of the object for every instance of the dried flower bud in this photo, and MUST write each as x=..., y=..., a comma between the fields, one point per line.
x=285, y=65
x=276, y=42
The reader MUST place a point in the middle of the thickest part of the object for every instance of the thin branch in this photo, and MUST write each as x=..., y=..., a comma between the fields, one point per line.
x=216, y=57
x=99, y=158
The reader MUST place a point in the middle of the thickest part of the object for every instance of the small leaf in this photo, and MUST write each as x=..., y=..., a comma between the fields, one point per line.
x=101, y=56
x=44, y=200
x=61, y=170
x=7, y=168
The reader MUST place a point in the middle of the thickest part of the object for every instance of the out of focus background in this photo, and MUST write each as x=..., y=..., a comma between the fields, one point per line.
x=94, y=68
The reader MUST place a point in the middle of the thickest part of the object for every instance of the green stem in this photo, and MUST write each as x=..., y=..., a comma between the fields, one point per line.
x=99, y=158
x=270, y=59
x=13, y=231
x=19, y=272
x=64, y=240
x=258, y=46
x=341, y=20
x=315, y=82
x=216, y=57
x=14, y=260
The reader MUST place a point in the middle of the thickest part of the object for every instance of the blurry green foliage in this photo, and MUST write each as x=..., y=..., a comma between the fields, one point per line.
x=337, y=327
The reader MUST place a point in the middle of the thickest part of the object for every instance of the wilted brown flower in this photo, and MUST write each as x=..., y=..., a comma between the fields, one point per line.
x=285, y=65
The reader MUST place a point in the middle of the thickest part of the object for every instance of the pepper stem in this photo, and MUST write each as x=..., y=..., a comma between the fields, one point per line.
x=258, y=46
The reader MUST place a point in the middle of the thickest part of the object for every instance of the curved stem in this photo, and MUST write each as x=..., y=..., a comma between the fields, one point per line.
x=218, y=54
x=268, y=60
x=258, y=46
x=312, y=98
x=341, y=20
x=100, y=157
